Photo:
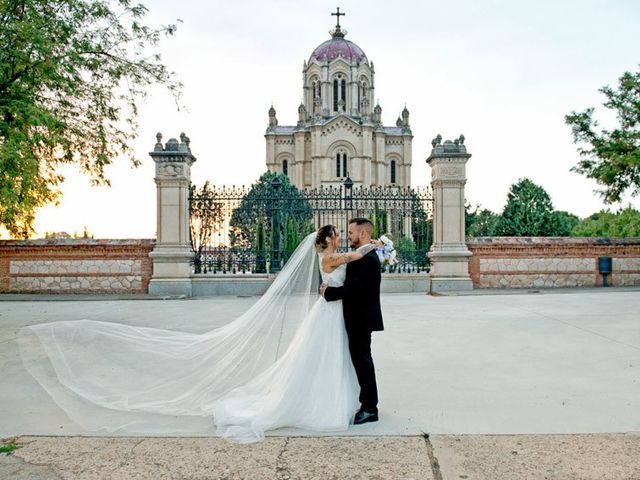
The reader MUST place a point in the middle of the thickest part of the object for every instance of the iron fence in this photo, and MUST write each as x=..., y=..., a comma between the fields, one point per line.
x=256, y=229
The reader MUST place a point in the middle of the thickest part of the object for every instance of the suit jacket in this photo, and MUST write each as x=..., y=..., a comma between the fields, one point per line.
x=360, y=294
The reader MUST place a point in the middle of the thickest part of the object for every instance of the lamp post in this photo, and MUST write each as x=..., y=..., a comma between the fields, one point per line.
x=348, y=204
x=348, y=185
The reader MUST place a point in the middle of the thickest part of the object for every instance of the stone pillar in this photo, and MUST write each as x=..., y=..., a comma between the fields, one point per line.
x=172, y=254
x=449, y=254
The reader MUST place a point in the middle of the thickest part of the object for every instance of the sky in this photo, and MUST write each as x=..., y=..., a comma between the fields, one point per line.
x=502, y=72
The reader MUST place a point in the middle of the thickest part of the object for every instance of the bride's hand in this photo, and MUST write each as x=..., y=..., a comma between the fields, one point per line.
x=377, y=243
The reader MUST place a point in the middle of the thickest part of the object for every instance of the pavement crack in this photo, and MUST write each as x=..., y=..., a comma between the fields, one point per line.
x=282, y=468
x=136, y=445
x=435, y=465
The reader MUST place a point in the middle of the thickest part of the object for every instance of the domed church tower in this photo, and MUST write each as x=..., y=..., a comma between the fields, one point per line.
x=338, y=133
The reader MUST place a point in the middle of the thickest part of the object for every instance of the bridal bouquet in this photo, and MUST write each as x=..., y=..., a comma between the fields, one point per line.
x=386, y=253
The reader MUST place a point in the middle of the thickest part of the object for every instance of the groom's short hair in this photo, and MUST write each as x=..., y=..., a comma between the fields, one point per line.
x=363, y=222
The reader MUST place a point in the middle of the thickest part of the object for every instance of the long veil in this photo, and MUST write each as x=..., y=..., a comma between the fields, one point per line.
x=110, y=377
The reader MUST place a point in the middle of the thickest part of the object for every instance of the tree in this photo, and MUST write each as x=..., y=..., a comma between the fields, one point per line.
x=528, y=212
x=611, y=158
x=206, y=217
x=564, y=223
x=379, y=220
x=624, y=223
x=71, y=75
x=480, y=222
x=267, y=204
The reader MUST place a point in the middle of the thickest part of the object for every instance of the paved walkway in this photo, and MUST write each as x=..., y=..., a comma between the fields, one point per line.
x=518, y=385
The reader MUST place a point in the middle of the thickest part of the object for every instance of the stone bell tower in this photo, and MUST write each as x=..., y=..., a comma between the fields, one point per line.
x=337, y=134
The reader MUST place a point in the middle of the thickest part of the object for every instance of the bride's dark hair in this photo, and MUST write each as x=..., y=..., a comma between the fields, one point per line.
x=328, y=231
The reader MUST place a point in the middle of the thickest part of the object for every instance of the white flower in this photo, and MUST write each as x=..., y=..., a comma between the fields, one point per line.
x=386, y=253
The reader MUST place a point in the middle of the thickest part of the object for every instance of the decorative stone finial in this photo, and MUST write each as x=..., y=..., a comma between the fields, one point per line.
x=184, y=145
x=273, y=121
x=405, y=115
x=158, y=145
x=455, y=147
x=302, y=114
x=172, y=145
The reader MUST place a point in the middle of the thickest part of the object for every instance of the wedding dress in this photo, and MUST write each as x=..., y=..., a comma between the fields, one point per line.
x=282, y=363
x=312, y=386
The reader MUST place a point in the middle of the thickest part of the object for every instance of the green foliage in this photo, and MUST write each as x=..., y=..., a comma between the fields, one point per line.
x=296, y=229
x=406, y=250
x=611, y=158
x=563, y=223
x=261, y=247
x=380, y=223
x=528, y=212
x=480, y=222
x=422, y=231
x=251, y=223
x=71, y=75
x=624, y=223
x=9, y=445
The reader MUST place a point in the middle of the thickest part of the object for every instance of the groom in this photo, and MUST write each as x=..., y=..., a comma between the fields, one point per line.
x=360, y=297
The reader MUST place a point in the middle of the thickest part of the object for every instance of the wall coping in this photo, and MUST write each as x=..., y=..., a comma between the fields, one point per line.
x=552, y=241
x=69, y=242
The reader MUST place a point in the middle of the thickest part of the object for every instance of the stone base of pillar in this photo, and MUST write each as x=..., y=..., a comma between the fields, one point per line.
x=450, y=284
x=450, y=268
x=170, y=286
x=171, y=270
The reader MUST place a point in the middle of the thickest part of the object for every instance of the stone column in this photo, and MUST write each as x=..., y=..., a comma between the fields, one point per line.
x=449, y=254
x=172, y=254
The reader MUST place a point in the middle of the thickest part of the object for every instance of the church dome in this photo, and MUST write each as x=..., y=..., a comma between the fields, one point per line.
x=337, y=47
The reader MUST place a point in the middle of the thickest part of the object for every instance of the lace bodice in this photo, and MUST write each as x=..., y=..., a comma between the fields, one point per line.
x=335, y=278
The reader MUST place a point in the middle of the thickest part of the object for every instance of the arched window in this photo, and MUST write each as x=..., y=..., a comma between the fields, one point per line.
x=341, y=165
x=393, y=171
x=343, y=93
x=335, y=95
x=285, y=167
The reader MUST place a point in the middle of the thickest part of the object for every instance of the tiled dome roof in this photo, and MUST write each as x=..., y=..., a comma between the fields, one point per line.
x=336, y=47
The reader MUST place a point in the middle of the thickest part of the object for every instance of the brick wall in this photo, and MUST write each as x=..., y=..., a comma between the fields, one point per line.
x=75, y=266
x=539, y=262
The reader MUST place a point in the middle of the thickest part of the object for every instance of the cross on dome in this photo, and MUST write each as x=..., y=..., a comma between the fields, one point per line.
x=338, y=15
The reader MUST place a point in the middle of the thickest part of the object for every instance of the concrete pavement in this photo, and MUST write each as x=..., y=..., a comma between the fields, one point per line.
x=438, y=457
x=484, y=375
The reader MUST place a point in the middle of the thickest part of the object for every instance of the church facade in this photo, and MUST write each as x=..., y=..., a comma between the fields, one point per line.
x=339, y=134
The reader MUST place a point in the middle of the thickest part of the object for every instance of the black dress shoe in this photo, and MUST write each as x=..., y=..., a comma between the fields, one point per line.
x=365, y=417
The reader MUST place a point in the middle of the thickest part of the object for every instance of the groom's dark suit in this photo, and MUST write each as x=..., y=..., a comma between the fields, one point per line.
x=360, y=297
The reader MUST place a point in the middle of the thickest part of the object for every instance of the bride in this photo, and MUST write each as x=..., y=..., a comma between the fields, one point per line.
x=283, y=363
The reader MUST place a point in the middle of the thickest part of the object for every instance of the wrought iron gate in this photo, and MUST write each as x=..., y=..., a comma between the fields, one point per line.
x=256, y=229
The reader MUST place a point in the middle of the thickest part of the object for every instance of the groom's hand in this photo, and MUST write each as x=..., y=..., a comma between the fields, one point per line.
x=323, y=287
